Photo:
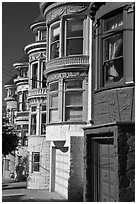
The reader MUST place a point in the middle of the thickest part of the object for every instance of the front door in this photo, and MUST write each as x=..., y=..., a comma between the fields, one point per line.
x=104, y=168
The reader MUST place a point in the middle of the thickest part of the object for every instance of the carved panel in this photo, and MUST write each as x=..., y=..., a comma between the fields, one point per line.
x=66, y=75
x=63, y=10
x=37, y=56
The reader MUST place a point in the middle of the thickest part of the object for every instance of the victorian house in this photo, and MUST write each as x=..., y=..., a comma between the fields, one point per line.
x=77, y=87
x=109, y=150
x=22, y=116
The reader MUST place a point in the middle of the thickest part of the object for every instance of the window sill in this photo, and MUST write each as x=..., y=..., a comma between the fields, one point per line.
x=114, y=86
x=67, y=122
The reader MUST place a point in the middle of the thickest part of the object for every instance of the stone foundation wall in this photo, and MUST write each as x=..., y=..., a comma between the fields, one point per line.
x=75, y=183
x=126, y=164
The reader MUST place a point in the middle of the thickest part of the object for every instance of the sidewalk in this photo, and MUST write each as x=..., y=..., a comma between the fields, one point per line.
x=17, y=191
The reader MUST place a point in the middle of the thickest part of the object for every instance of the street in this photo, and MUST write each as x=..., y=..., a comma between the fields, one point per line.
x=17, y=192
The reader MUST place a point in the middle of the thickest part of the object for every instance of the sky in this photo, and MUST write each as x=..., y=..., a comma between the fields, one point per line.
x=16, y=34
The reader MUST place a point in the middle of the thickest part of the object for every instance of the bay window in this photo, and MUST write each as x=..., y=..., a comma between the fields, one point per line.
x=34, y=75
x=33, y=121
x=73, y=100
x=53, y=102
x=35, y=161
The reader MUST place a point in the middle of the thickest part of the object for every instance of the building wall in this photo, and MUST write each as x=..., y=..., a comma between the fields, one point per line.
x=39, y=180
x=114, y=105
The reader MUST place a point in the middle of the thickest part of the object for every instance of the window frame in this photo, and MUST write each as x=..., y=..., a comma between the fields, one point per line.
x=106, y=35
x=34, y=78
x=72, y=106
x=33, y=113
x=50, y=36
x=53, y=93
x=128, y=46
x=34, y=162
x=43, y=112
x=74, y=37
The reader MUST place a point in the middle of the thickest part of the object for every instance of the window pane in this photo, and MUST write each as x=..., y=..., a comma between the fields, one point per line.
x=53, y=101
x=36, y=167
x=34, y=75
x=114, y=46
x=75, y=46
x=55, y=32
x=74, y=113
x=73, y=84
x=53, y=115
x=114, y=22
x=44, y=82
x=43, y=107
x=54, y=86
x=36, y=157
x=73, y=98
x=33, y=124
x=43, y=123
x=34, y=108
x=54, y=53
x=74, y=28
x=114, y=70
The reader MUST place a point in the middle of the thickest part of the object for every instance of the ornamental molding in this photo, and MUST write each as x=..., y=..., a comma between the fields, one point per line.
x=66, y=75
x=37, y=56
x=37, y=100
x=57, y=10
x=130, y=8
x=77, y=62
x=22, y=87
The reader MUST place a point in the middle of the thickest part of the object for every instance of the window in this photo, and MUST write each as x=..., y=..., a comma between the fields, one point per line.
x=35, y=161
x=25, y=141
x=20, y=101
x=34, y=75
x=74, y=37
x=33, y=120
x=55, y=41
x=23, y=72
x=43, y=35
x=24, y=101
x=70, y=42
x=43, y=120
x=53, y=102
x=113, y=49
x=7, y=164
x=73, y=100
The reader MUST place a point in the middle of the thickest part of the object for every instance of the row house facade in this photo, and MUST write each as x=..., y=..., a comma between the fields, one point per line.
x=79, y=94
x=8, y=162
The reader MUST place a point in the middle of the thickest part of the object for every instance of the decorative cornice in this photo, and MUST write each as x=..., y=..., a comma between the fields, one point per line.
x=21, y=80
x=37, y=55
x=67, y=63
x=66, y=75
x=37, y=46
x=37, y=93
x=56, y=10
x=10, y=98
x=37, y=100
x=130, y=8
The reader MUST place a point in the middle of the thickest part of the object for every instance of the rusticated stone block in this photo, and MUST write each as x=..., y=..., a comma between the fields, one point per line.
x=131, y=164
x=126, y=195
x=130, y=174
x=125, y=97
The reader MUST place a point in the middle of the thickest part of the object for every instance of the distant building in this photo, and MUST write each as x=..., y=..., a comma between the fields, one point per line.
x=8, y=162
